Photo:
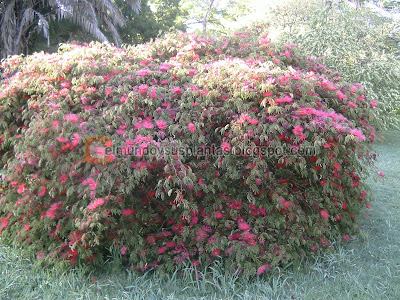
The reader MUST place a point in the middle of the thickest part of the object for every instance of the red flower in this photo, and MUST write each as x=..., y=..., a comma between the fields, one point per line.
x=128, y=211
x=170, y=244
x=262, y=269
x=21, y=188
x=176, y=90
x=216, y=252
x=298, y=129
x=161, y=124
x=40, y=255
x=91, y=182
x=42, y=191
x=72, y=118
x=192, y=128
x=200, y=235
x=4, y=222
x=195, y=263
x=324, y=214
x=243, y=225
x=226, y=147
x=143, y=88
x=161, y=250
x=219, y=215
x=97, y=202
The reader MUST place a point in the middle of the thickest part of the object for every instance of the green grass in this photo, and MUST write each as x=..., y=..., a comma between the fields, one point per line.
x=366, y=268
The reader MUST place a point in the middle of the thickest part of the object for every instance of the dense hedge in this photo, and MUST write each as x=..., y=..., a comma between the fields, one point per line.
x=174, y=94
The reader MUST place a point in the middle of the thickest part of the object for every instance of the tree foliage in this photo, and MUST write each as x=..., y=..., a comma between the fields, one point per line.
x=360, y=44
x=155, y=17
x=213, y=15
x=21, y=18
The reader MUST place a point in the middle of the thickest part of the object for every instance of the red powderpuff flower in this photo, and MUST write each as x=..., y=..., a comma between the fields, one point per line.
x=62, y=139
x=40, y=255
x=341, y=96
x=262, y=269
x=161, y=124
x=51, y=213
x=27, y=227
x=243, y=225
x=235, y=204
x=176, y=90
x=352, y=104
x=161, y=250
x=324, y=214
x=42, y=191
x=234, y=236
x=226, y=147
x=21, y=188
x=128, y=211
x=147, y=123
x=75, y=140
x=201, y=235
x=153, y=93
x=3, y=222
x=91, y=182
x=143, y=88
x=298, y=130
x=219, y=215
x=97, y=202
x=123, y=250
x=170, y=244
x=216, y=252
x=192, y=127
x=195, y=263
x=63, y=178
x=66, y=84
x=71, y=118
x=380, y=173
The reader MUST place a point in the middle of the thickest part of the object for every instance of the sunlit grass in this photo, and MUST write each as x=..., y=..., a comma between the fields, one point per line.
x=365, y=268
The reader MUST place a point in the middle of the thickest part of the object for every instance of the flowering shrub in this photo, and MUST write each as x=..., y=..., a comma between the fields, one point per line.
x=161, y=206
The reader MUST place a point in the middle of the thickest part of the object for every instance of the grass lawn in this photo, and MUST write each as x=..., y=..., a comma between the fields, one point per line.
x=365, y=268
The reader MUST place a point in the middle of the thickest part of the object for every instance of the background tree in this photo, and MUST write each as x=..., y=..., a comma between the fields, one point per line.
x=359, y=43
x=155, y=16
x=21, y=19
x=214, y=15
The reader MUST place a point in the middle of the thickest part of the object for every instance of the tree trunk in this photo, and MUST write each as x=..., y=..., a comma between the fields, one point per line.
x=206, y=16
